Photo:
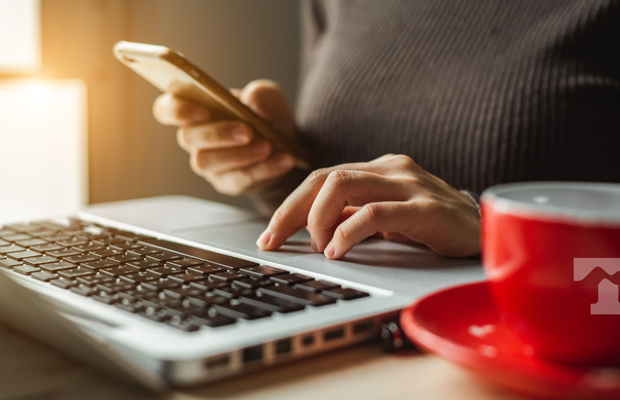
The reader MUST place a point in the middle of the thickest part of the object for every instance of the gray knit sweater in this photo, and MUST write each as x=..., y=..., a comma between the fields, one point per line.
x=477, y=92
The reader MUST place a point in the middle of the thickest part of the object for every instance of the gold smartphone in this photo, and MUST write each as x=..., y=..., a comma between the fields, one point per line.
x=171, y=72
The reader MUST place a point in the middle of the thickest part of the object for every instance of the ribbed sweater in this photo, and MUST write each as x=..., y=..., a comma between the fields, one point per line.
x=477, y=92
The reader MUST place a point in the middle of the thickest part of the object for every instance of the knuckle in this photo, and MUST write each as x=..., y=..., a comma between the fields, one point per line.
x=403, y=162
x=372, y=212
x=198, y=162
x=338, y=179
x=317, y=176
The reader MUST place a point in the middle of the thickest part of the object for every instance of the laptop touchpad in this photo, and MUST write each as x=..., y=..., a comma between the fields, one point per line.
x=243, y=235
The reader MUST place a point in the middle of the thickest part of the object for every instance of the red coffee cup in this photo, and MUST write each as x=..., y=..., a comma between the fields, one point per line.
x=551, y=253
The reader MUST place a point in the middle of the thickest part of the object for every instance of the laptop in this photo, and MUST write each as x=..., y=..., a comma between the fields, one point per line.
x=173, y=292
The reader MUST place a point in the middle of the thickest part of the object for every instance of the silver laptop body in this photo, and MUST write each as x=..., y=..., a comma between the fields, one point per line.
x=157, y=353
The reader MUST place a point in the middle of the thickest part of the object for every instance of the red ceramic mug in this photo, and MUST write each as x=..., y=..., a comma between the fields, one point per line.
x=551, y=253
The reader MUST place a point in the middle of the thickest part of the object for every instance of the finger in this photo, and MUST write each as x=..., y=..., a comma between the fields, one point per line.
x=241, y=180
x=292, y=215
x=169, y=109
x=370, y=219
x=217, y=161
x=267, y=99
x=397, y=237
x=353, y=188
x=214, y=135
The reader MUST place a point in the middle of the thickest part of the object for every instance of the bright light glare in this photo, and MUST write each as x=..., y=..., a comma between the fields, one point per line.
x=20, y=36
x=43, y=154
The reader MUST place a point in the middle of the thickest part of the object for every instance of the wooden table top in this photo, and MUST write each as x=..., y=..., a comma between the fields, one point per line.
x=31, y=371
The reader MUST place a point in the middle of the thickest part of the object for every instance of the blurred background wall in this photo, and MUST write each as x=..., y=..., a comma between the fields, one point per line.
x=130, y=155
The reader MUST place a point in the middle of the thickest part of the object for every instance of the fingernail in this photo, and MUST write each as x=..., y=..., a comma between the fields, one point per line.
x=330, y=251
x=260, y=148
x=240, y=134
x=285, y=162
x=313, y=245
x=263, y=239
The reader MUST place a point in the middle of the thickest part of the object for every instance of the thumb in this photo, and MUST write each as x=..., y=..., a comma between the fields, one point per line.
x=267, y=99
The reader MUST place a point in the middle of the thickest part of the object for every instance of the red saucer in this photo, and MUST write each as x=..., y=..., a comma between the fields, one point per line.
x=462, y=325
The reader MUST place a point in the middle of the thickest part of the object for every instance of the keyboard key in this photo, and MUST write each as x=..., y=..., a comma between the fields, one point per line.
x=114, y=287
x=96, y=279
x=186, y=262
x=44, y=276
x=316, y=286
x=228, y=275
x=56, y=236
x=166, y=270
x=107, y=298
x=88, y=247
x=140, y=277
x=210, y=285
x=271, y=303
x=4, y=243
x=291, y=279
x=129, y=306
x=187, y=277
x=57, y=266
x=137, y=293
x=62, y=253
x=84, y=258
x=124, y=245
x=144, y=250
x=161, y=284
x=96, y=265
x=201, y=254
x=212, y=319
x=15, y=237
x=183, y=292
x=64, y=283
x=125, y=258
x=183, y=310
x=145, y=264
x=11, y=249
x=207, y=269
x=30, y=242
x=232, y=292
x=20, y=255
x=299, y=296
x=240, y=310
x=252, y=282
x=207, y=299
x=73, y=241
x=120, y=270
x=344, y=293
x=263, y=270
x=35, y=261
x=83, y=290
x=106, y=252
x=9, y=264
x=26, y=269
x=164, y=256
x=75, y=272
x=160, y=300
x=47, y=247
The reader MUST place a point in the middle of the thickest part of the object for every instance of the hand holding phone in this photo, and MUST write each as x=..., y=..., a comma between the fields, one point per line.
x=230, y=144
x=226, y=152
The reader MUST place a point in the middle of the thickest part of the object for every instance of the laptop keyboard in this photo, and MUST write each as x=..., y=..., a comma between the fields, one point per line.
x=183, y=286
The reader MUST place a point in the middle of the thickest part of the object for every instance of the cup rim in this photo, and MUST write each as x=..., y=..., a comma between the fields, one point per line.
x=492, y=197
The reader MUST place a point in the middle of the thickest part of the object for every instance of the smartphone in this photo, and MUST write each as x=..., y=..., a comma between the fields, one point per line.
x=171, y=72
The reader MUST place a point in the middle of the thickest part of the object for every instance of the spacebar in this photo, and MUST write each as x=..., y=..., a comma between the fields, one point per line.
x=227, y=261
